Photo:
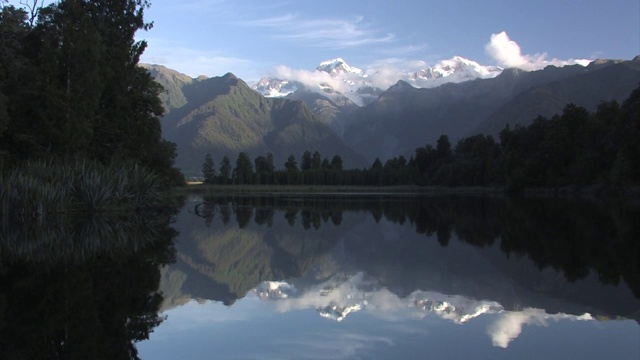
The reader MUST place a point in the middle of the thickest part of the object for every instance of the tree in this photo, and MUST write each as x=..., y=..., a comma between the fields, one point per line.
x=377, y=164
x=291, y=165
x=74, y=84
x=316, y=161
x=225, y=170
x=336, y=162
x=264, y=168
x=208, y=170
x=243, y=172
x=306, y=163
x=264, y=164
x=443, y=150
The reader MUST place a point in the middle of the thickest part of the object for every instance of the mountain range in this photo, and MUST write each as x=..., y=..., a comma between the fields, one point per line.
x=335, y=78
x=404, y=118
x=223, y=116
x=340, y=109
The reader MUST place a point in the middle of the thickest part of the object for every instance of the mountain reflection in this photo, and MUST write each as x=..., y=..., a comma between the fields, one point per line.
x=82, y=287
x=376, y=264
x=577, y=237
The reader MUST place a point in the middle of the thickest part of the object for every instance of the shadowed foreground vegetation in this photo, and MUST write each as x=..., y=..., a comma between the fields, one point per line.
x=81, y=247
x=82, y=286
x=43, y=189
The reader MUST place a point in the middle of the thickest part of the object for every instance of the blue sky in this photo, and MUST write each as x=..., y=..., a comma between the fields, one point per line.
x=251, y=38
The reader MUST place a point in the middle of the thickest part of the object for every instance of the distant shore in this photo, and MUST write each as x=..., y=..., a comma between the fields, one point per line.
x=204, y=189
x=593, y=191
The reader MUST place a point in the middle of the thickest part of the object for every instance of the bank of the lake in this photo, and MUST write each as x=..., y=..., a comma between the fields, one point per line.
x=596, y=192
x=206, y=189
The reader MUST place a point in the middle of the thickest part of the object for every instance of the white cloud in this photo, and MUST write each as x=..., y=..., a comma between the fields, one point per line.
x=508, y=54
x=322, y=33
x=309, y=78
x=386, y=72
x=509, y=326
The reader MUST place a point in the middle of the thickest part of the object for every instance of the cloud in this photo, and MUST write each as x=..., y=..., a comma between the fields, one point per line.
x=509, y=326
x=322, y=33
x=309, y=78
x=384, y=73
x=508, y=54
x=381, y=74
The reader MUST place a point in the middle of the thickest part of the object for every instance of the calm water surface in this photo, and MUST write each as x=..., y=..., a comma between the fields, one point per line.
x=328, y=277
x=400, y=277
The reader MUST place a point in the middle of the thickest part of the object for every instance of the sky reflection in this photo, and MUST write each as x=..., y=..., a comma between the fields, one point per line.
x=387, y=326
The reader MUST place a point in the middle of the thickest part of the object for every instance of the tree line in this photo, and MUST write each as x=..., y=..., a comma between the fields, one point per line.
x=576, y=147
x=71, y=87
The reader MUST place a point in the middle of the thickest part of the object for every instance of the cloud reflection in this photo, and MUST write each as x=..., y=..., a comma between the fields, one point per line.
x=509, y=326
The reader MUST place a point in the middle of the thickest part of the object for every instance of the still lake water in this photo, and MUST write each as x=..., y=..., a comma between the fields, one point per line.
x=329, y=277
x=400, y=277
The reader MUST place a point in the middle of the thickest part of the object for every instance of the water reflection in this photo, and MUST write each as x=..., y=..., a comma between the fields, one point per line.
x=577, y=237
x=82, y=287
x=505, y=264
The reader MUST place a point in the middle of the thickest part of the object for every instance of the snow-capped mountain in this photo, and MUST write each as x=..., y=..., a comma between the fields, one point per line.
x=337, y=67
x=456, y=69
x=275, y=88
x=274, y=290
x=334, y=78
x=343, y=294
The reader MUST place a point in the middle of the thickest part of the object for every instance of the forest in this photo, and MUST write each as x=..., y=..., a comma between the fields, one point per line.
x=575, y=148
x=71, y=89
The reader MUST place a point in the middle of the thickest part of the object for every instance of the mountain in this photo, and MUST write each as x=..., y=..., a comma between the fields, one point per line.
x=454, y=70
x=223, y=116
x=322, y=109
x=173, y=82
x=404, y=117
x=362, y=87
x=603, y=80
x=334, y=89
x=333, y=111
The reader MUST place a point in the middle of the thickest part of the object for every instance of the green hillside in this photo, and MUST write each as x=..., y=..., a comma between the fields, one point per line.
x=223, y=116
x=173, y=82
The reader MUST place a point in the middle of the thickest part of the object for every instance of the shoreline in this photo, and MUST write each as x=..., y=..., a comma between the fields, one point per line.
x=593, y=192
x=334, y=190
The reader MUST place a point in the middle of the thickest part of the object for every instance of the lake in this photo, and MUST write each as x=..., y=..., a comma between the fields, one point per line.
x=339, y=276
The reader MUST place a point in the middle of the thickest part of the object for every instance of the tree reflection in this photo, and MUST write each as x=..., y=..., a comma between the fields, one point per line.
x=82, y=288
x=577, y=237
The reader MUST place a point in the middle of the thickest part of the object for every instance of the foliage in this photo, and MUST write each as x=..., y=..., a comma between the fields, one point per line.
x=225, y=170
x=44, y=189
x=243, y=172
x=82, y=287
x=70, y=87
x=208, y=170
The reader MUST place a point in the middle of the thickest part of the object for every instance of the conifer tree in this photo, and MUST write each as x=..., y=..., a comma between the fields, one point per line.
x=225, y=170
x=208, y=170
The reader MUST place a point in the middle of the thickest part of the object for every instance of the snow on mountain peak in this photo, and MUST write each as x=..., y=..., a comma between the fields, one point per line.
x=335, y=78
x=340, y=295
x=338, y=66
x=456, y=69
